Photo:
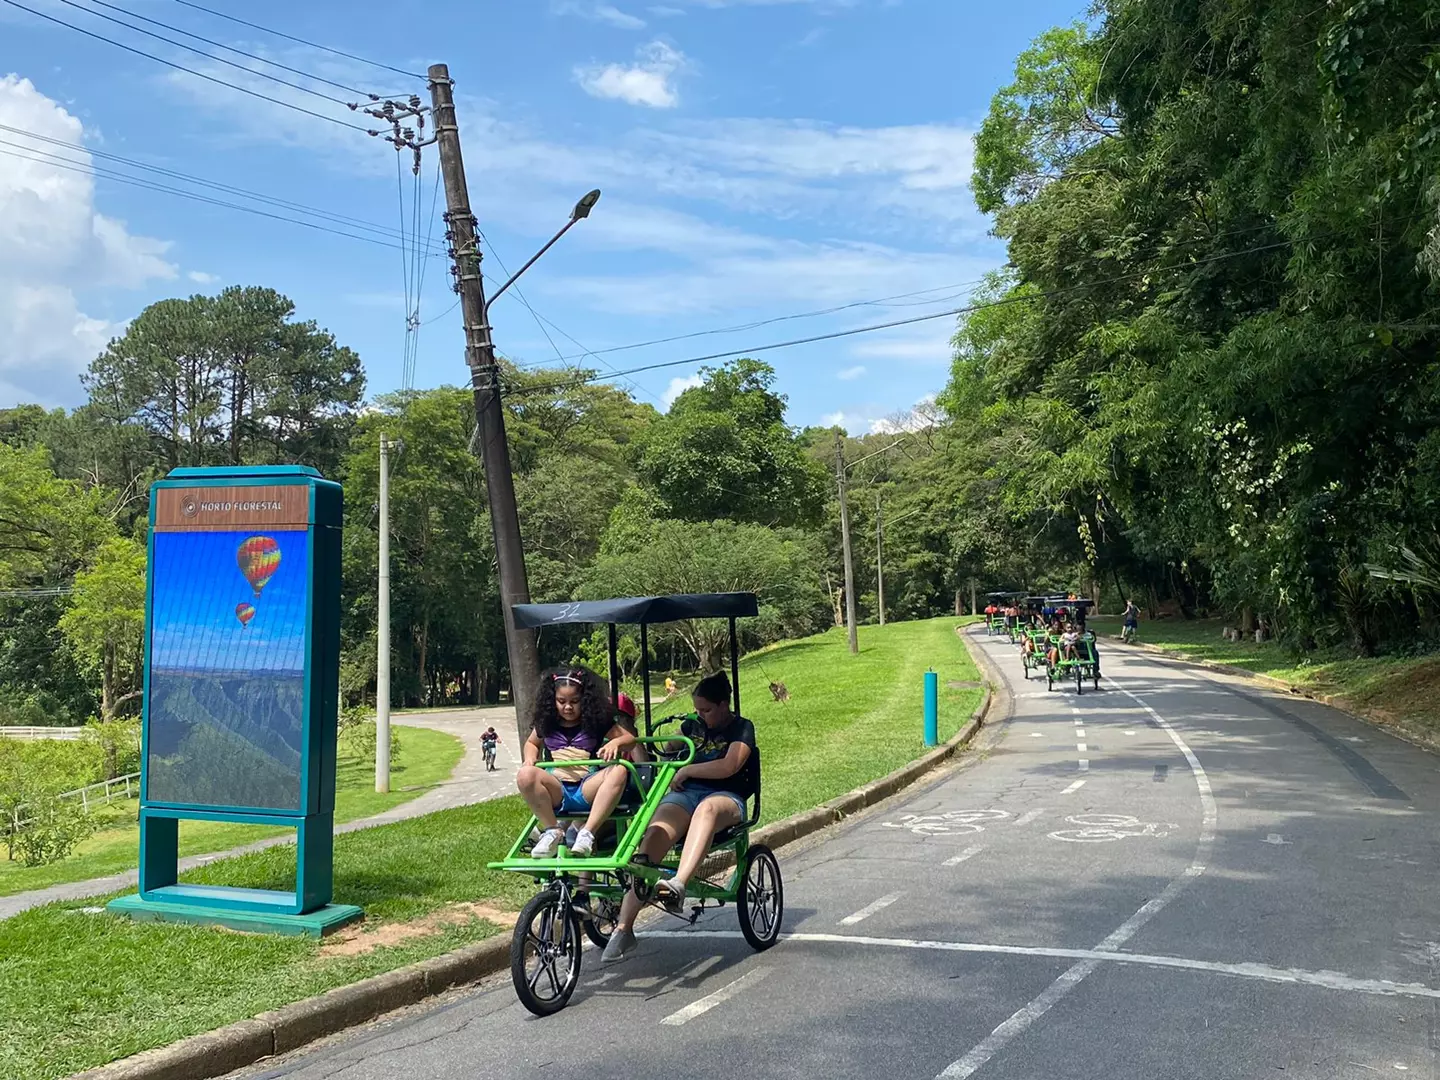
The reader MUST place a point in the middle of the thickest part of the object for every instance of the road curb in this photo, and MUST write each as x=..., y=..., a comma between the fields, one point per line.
x=302, y=1022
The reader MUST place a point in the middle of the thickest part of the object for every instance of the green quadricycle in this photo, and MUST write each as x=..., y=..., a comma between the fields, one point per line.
x=1080, y=662
x=585, y=893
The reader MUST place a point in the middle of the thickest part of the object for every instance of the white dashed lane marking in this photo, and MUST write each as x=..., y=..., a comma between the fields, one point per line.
x=870, y=909
x=969, y=852
x=709, y=1001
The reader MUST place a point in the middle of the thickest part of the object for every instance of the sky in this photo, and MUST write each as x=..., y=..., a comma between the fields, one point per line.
x=760, y=161
x=197, y=588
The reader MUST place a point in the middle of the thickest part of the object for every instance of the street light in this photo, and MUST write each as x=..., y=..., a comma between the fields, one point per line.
x=499, y=479
x=580, y=213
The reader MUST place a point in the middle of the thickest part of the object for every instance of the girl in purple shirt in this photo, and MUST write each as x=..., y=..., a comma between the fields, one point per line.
x=574, y=721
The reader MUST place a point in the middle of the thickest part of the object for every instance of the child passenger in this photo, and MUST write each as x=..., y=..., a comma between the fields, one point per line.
x=574, y=721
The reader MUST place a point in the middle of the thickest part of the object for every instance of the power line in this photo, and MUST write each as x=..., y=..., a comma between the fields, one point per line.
x=300, y=41
x=879, y=301
x=966, y=309
x=315, y=211
x=883, y=301
x=146, y=185
x=540, y=320
x=186, y=70
x=201, y=52
x=237, y=52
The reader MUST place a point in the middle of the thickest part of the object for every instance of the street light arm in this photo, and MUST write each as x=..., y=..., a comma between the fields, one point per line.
x=533, y=259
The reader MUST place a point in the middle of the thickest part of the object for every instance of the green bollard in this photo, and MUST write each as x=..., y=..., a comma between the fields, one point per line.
x=932, y=708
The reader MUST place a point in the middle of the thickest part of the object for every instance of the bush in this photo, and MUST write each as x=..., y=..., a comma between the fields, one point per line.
x=38, y=826
x=46, y=828
x=119, y=744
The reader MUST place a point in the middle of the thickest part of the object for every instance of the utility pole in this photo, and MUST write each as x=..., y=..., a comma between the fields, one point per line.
x=879, y=564
x=489, y=413
x=845, y=542
x=382, y=652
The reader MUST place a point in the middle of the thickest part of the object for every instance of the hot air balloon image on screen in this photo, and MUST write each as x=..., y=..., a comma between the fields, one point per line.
x=258, y=558
x=244, y=612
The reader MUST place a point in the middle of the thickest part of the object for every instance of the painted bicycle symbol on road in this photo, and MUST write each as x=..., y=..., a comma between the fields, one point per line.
x=1103, y=828
x=950, y=823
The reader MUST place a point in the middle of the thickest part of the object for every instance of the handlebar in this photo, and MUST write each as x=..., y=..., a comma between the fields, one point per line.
x=644, y=740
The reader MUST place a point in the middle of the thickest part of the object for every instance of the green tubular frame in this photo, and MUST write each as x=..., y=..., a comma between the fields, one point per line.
x=1064, y=665
x=636, y=821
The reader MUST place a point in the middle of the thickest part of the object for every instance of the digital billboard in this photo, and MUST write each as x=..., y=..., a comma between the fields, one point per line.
x=228, y=645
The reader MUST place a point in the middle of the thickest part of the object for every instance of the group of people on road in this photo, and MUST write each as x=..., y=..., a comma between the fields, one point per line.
x=575, y=719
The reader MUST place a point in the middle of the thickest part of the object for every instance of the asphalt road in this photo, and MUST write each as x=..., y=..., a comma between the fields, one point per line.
x=1177, y=876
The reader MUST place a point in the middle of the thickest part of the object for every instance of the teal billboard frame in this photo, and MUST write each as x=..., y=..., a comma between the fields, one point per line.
x=307, y=503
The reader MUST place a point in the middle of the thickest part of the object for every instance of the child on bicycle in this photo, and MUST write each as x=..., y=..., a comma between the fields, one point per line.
x=488, y=741
x=574, y=721
x=1130, y=621
x=706, y=796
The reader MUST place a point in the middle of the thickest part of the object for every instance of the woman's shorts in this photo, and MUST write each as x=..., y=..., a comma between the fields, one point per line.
x=690, y=797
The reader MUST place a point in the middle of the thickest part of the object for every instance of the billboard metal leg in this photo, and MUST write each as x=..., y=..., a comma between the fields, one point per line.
x=159, y=852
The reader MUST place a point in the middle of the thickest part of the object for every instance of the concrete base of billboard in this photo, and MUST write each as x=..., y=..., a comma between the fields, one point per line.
x=326, y=920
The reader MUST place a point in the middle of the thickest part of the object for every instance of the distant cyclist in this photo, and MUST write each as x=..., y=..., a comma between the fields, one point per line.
x=488, y=741
x=1130, y=622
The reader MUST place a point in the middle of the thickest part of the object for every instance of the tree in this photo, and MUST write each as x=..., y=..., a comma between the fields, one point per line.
x=229, y=379
x=780, y=566
x=1213, y=362
x=105, y=623
x=1042, y=125
x=48, y=526
x=724, y=451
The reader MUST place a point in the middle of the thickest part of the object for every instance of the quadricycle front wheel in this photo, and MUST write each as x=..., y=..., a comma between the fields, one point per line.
x=545, y=952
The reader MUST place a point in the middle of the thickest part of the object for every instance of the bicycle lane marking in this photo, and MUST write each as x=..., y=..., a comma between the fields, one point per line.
x=709, y=1001
x=1022, y=1018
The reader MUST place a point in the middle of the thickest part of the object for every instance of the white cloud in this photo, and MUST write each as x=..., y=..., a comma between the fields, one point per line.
x=663, y=11
x=850, y=373
x=871, y=419
x=922, y=157
x=202, y=278
x=53, y=242
x=768, y=273
x=678, y=386
x=647, y=82
x=603, y=13
x=925, y=414
x=923, y=344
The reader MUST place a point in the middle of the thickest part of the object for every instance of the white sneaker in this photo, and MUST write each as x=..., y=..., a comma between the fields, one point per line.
x=584, y=843
x=546, y=845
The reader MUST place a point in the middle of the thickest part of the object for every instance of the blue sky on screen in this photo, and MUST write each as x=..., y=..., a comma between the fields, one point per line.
x=759, y=159
x=197, y=587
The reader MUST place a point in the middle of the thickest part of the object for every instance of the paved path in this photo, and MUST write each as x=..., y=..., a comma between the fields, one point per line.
x=1177, y=876
x=469, y=783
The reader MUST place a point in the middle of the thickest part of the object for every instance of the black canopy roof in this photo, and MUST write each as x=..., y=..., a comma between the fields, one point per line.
x=640, y=609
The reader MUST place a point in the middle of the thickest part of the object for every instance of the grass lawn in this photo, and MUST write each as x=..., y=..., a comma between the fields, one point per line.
x=850, y=719
x=426, y=758
x=1396, y=692
x=78, y=989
